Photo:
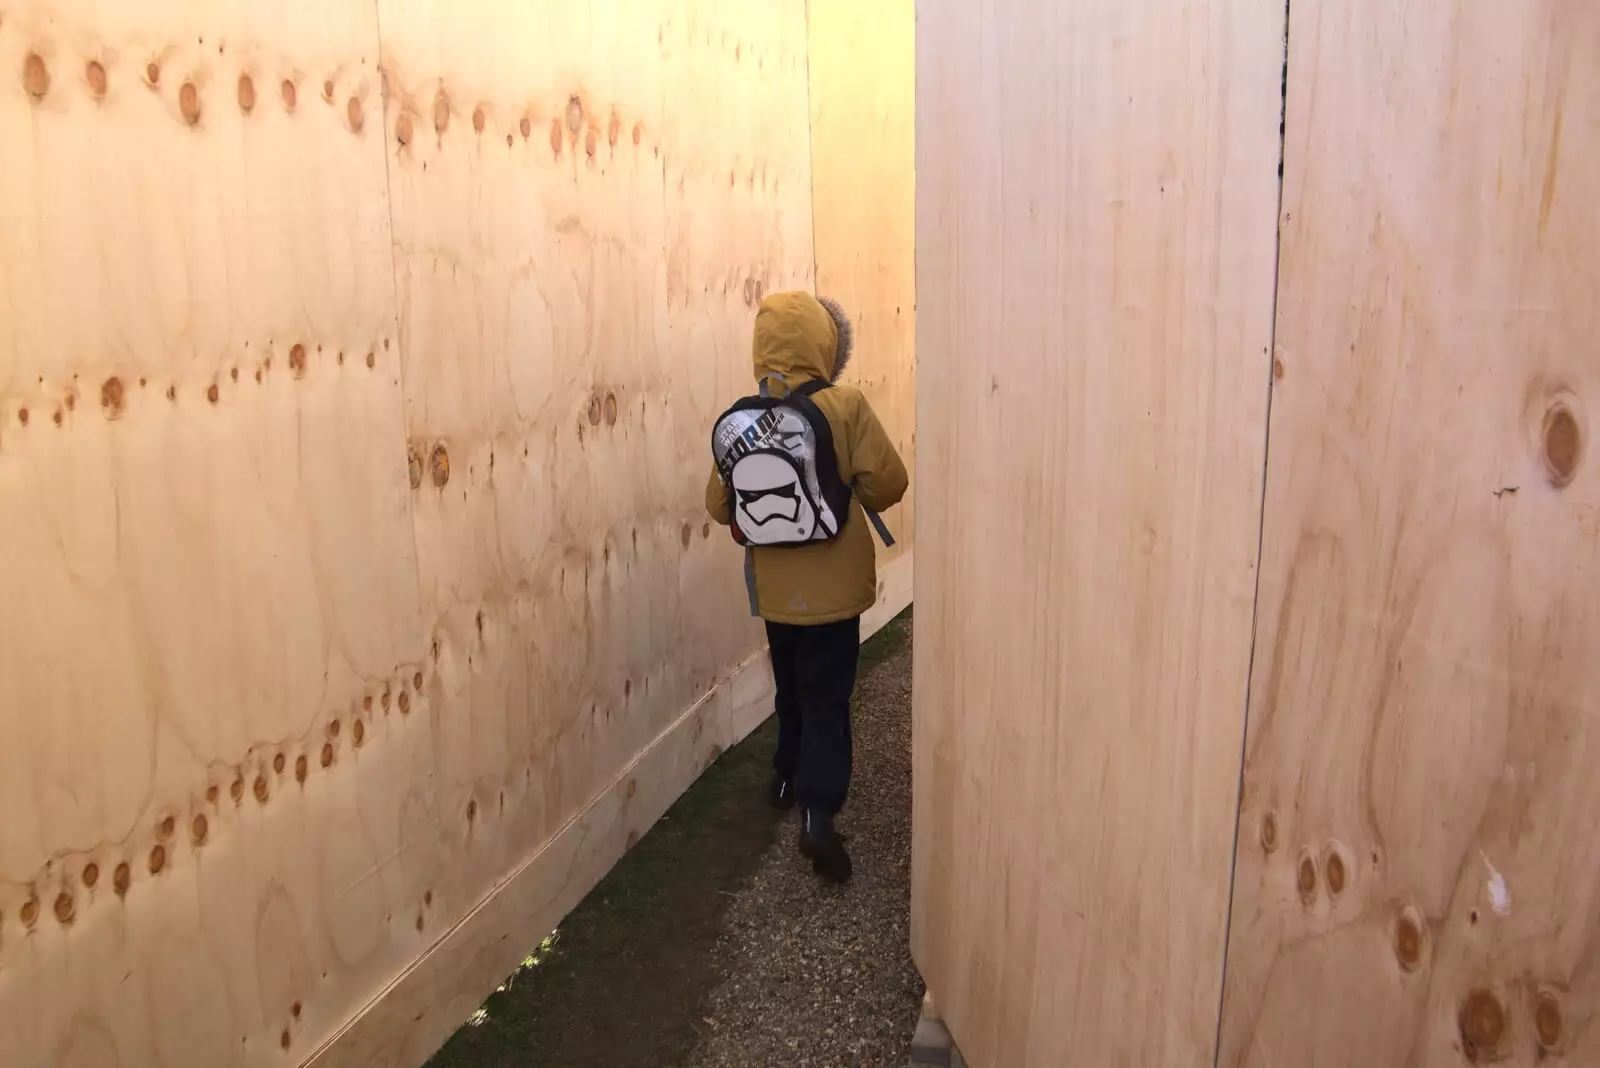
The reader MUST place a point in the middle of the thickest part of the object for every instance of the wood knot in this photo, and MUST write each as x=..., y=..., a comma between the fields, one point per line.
x=441, y=113
x=1306, y=880
x=158, y=858
x=1547, y=1022
x=439, y=465
x=297, y=360
x=614, y=130
x=591, y=142
x=189, y=103
x=1408, y=939
x=611, y=409
x=95, y=72
x=247, y=93
x=278, y=763
x=66, y=909
x=236, y=790
x=405, y=703
x=91, y=874
x=1269, y=833
x=638, y=133
x=1334, y=871
x=300, y=768
x=152, y=74
x=358, y=732
x=122, y=878
x=35, y=76
x=525, y=127
x=30, y=912
x=1483, y=1024
x=111, y=396
x=327, y=753
x=555, y=137
x=479, y=119
x=1563, y=443
x=354, y=114
x=199, y=828
x=416, y=681
x=574, y=114
x=289, y=93
x=261, y=789
x=168, y=827
x=402, y=129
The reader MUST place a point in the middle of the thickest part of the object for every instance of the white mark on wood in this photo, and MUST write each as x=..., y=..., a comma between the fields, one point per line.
x=1499, y=892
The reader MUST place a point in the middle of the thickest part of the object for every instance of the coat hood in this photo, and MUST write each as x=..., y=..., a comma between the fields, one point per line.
x=800, y=337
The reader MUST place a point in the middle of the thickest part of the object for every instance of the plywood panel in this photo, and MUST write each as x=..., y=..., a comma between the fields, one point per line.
x=564, y=226
x=1095, y=248
x=206, y=555
x=1417, y=866
x=353, y=572
x=863, y=182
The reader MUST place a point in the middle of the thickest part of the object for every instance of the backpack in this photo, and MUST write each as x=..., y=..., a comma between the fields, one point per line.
x=776, y=457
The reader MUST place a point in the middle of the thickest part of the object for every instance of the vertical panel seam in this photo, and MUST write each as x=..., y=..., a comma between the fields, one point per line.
x=1261, y=526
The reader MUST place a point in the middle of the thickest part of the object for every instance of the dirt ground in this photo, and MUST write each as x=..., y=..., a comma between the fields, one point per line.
x=712, y=944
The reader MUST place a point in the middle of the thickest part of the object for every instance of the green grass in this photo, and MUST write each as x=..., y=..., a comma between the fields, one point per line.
x=624, y=979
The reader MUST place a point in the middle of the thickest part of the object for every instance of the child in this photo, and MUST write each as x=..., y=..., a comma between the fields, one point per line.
x=812, y=596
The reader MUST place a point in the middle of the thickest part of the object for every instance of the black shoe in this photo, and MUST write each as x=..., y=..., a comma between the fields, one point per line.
x=821, y=844
x=781, y=794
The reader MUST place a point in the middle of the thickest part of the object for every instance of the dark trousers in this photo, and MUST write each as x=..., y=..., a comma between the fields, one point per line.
x=815, y=671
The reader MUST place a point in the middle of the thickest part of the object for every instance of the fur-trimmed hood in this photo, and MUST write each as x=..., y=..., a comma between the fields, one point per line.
x=800, y=337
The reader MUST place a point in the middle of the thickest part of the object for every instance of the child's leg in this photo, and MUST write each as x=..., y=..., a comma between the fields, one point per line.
x=783, y=642
x=826, y=674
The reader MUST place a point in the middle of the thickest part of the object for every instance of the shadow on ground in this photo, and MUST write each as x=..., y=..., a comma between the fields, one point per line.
x=627, y=980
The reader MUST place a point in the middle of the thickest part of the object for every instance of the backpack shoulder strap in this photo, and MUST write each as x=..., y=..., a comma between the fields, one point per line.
x=806, y=389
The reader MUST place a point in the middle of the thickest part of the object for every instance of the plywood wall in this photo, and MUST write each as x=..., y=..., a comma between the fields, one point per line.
x=356, y=605
x=1418, y=866
x=863, y=180
x=1095, y=245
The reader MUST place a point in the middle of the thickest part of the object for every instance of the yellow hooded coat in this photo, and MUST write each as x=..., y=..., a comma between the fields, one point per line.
x=799, y=339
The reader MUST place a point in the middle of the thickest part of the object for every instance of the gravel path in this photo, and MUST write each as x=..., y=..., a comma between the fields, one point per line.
x=819, y=976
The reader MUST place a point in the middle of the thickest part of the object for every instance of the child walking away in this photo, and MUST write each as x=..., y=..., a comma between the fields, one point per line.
x=801, y=471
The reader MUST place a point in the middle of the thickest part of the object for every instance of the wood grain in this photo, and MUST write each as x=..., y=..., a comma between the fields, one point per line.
x=1095, y=242
x=1417, y=866
x=206, y=556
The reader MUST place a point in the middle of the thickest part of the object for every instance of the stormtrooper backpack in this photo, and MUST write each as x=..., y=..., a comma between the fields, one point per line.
x=776, y=457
